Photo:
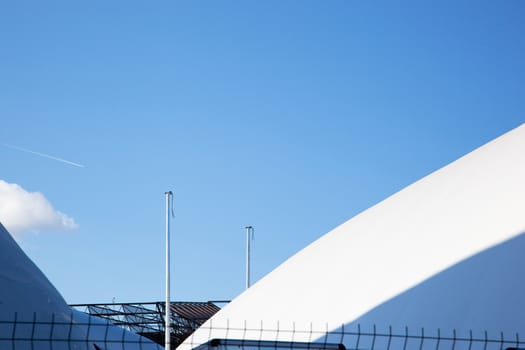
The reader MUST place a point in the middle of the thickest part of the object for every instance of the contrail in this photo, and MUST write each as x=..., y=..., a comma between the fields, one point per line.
x=44, y=155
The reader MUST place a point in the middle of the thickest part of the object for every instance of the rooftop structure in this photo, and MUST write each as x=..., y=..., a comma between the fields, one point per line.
x=147, y=318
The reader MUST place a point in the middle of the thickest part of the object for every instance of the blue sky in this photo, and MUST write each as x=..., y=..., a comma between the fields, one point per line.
x=291, y=116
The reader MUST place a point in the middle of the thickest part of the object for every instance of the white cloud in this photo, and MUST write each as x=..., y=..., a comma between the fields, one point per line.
x=22, y=211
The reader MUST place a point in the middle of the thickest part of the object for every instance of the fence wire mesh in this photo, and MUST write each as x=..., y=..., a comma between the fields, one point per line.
x=351, y=337
x=60, y=333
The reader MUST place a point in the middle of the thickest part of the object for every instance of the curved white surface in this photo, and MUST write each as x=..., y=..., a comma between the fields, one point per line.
x=24, y=286
x=27, y=296
x=356, y=272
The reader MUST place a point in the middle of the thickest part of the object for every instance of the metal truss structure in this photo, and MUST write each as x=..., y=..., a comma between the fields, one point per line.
x=147, y=319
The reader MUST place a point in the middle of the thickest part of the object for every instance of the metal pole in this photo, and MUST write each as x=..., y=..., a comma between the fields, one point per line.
x=249, y=229
x=167, y=334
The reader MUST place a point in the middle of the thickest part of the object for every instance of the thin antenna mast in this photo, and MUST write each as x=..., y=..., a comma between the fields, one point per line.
x=249, y=230
x=167, y=339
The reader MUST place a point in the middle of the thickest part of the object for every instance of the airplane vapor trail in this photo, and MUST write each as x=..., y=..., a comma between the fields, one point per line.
x=44, y=155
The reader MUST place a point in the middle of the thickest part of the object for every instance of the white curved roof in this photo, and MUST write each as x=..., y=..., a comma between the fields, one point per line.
x=431, y=255
x=43, y=319
x=24, y=286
